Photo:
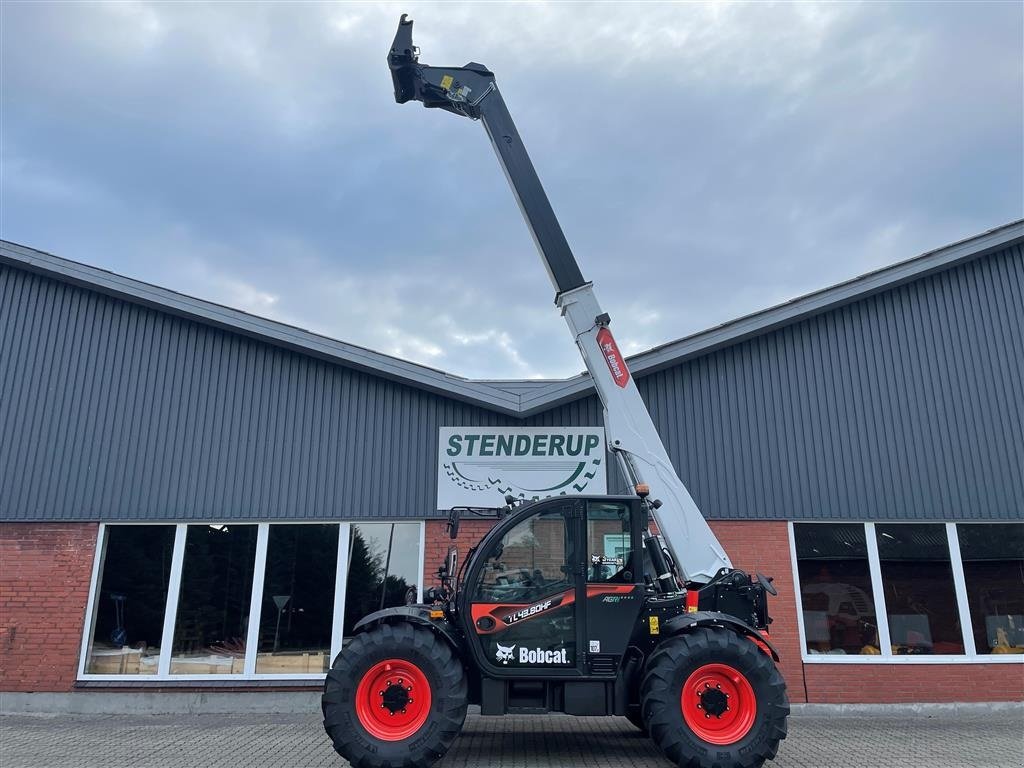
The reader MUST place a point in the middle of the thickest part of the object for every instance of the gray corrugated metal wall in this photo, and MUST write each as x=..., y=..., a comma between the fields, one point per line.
x=113, y=411
x=909, y=404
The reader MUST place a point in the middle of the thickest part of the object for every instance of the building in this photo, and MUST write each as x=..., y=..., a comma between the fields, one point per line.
x=194, y=496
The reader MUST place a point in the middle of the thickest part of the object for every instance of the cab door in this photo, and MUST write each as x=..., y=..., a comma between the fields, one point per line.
x=615, y=587
x=526, y=591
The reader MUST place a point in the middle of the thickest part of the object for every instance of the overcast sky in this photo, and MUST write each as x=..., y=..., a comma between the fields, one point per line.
x=706, y=161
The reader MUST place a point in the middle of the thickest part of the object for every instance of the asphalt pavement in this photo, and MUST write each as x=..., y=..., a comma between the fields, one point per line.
x=280, y=741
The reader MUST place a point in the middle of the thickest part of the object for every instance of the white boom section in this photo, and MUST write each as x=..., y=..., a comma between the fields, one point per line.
x=636, y=443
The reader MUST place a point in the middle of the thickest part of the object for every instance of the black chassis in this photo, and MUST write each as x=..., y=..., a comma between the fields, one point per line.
x=604, y=683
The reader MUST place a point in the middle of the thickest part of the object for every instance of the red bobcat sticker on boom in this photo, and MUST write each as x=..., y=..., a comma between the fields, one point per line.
x=612, y=356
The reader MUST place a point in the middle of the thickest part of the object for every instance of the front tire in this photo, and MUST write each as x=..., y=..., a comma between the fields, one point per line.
x=394, y=698
x=636, y=718
x=713, y=699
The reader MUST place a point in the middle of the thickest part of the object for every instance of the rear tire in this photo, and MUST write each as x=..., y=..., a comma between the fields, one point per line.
x=394, y=698
x=713, y=699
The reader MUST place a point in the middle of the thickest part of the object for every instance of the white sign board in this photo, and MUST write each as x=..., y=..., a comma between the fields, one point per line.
x=478, y=466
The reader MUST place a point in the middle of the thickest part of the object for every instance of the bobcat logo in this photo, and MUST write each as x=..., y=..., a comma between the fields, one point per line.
x=504, y=654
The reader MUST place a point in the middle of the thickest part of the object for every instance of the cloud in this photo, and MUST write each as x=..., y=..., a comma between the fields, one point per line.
x=446, y=325
x=705, y=160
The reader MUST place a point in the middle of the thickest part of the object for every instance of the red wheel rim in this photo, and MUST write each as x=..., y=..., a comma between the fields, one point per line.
x=393, y=700
x=718, y=704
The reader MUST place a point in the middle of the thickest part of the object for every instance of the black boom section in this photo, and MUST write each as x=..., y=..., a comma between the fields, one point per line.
x=471, y=91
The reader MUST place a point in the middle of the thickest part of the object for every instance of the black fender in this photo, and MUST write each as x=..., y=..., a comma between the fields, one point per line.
x=412, y=614
x=685, y=621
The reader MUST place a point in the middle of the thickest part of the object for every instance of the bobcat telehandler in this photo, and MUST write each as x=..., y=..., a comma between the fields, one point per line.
x=569, y=604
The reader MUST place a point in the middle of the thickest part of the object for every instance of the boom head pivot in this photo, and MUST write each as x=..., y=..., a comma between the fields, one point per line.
x=456, y=89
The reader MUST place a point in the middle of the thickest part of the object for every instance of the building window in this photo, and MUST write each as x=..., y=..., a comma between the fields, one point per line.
x=383, y=568
x=835, y=589
x=993, y=561
x=130, y=599
x=920, y=599
x=213, y=610
x=296, y=619
x=910, y=591
x=240, y=600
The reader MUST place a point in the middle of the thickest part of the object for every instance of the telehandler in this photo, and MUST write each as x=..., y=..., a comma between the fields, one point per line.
x=569, y=604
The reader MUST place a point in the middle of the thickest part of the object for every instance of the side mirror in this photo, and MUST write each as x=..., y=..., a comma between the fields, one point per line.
x=453, y=524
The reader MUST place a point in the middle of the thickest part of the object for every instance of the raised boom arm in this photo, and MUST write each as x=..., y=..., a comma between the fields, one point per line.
x=471, y=91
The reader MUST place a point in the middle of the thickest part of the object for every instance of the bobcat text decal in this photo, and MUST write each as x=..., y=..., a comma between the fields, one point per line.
x=612, y=356
x=507, y=654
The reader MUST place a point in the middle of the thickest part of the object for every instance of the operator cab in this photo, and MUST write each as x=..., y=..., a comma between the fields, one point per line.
x=555, y=591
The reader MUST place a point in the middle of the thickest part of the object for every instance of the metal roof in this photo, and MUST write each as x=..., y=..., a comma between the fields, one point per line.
x=800, y=308
x=514, y=398
x=280, y=334
x=904, y=404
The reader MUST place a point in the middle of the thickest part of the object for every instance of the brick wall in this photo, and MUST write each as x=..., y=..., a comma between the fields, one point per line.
x=44, y=581
x=45, y=570
x=764, y=547
x=920, y=683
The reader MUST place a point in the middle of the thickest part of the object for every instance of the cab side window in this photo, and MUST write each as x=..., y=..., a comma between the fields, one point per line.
x=610, y=543
x=529, y=562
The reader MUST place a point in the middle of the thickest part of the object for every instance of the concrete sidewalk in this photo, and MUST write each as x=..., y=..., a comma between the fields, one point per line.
x=551, y=741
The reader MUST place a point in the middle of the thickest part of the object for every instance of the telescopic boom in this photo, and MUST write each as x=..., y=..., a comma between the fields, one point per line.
x=471, y=91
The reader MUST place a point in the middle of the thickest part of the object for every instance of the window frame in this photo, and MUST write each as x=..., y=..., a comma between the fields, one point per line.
x=249, y=673
x=569, y=544
x=970, y=654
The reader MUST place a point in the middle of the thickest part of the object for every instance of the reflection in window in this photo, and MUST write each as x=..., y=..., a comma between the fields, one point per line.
x=920, y=599
x=213, y=606
x=130, y=600
x=298, y=599
x=835, y=589
x=609, y=543
x=528, y=562
x=383, y=566
x=993, y=557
